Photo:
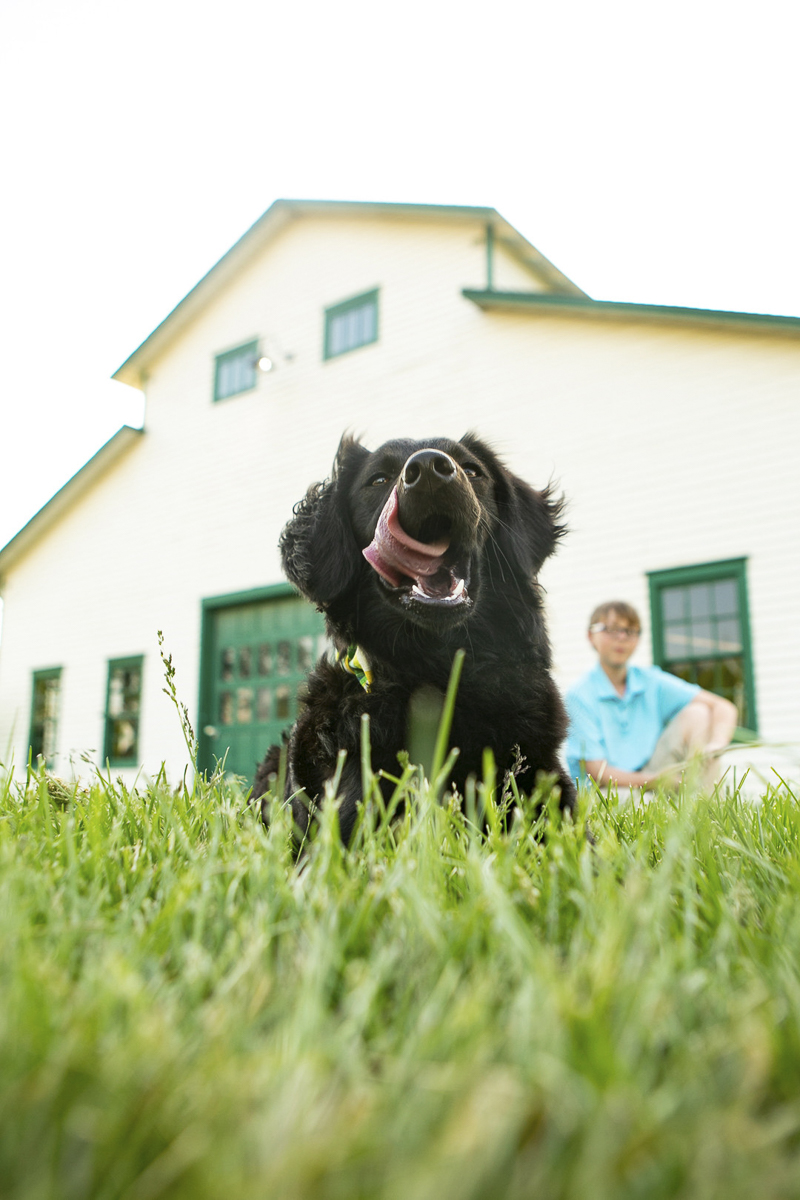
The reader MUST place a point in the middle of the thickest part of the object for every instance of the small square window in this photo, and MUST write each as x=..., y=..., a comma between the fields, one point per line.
x=235, y=371
x=351, y=324
x=123, y=705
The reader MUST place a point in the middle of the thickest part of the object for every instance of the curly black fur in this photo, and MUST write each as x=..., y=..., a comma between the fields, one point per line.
x=507, y=698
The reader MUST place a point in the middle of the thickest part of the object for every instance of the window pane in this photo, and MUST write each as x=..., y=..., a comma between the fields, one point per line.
x=224, y=378
x=48, y=749
x=704, y=675
x=50, y=697
x=227, y=660
x=133, y=687
x=115, y=697
x=732, y=676
x=729, y=639
x=672, y=601
x=123, y=691
x=305, y=653
x=244, y=706
x=731, y=672
x=282, y=703
x=369, y=322
x=245, y=662
x=284, y=658
x=726, y=600
x=226, y=708
x=264, y=659
x=238, y=375
x=263, y=704
x=336, y=336
x=703, y=640
x=123, y=739
x=700, y=600
x=677, y=641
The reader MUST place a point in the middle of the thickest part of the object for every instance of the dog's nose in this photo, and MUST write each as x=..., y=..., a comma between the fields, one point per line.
x=428, y=463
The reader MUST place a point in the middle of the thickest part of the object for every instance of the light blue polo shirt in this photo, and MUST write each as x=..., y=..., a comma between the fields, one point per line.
x=622, y=730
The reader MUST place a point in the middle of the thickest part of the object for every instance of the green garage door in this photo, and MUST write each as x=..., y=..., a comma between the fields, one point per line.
x=257, y=651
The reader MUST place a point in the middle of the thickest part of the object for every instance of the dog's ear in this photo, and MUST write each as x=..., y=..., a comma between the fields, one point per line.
x=319, y=552
x=531, y=526
x=529, y=522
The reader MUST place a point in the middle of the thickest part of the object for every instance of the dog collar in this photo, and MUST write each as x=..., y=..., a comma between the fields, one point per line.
x=355, y=662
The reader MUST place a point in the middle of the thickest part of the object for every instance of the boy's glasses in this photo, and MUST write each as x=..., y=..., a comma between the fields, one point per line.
x=614, y=630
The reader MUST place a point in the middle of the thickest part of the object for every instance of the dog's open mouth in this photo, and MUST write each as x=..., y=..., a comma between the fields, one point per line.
x=427, y=572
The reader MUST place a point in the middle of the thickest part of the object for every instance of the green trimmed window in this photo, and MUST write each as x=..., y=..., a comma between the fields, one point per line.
x=351, y=324
x=123, y=707
x=235, y=371
x=701, y=630
x=44, y=714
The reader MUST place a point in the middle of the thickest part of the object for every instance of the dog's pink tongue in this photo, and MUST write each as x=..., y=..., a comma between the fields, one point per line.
x=394, y=554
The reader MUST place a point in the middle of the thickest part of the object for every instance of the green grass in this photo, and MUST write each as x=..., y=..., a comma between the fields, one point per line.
x=434, y=1013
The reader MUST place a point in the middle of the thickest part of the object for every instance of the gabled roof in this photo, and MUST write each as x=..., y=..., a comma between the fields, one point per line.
x=550, y=304
x=282, y=212
x=66, y=496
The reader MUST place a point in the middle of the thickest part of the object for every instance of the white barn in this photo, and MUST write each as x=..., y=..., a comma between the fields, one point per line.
x=670, y=431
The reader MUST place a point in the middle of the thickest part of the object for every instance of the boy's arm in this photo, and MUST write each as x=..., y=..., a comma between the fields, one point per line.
x=603, y=773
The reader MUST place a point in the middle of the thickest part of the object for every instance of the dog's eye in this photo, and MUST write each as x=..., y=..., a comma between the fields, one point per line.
x=378, y=480
x=471, y=469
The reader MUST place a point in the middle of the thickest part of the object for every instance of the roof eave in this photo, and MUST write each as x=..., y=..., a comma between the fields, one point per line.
x=551, y=304
x=133, y=370
x=65, y=497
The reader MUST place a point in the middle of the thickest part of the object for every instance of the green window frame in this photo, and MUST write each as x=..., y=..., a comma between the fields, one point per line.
x=45, y=707
x=235, y=371
x=123, y=711
x=351, y=324
x=701, y=630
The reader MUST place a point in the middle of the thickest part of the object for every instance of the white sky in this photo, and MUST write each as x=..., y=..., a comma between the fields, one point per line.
x=650, y=151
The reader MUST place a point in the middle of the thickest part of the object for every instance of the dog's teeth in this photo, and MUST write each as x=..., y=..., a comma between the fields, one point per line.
x=458, y=593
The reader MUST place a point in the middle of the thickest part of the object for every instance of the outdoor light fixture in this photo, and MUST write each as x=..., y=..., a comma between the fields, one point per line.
x=266, y=364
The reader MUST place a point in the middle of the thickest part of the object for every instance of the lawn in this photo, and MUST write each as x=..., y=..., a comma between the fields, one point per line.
x=434, y=1013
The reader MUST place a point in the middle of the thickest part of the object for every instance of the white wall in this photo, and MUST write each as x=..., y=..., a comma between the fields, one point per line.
x=672, y=445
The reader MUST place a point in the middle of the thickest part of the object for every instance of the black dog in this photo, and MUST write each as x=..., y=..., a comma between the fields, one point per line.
x=412, y=552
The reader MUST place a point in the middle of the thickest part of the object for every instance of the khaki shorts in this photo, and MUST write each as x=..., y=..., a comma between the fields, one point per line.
x=671, y=748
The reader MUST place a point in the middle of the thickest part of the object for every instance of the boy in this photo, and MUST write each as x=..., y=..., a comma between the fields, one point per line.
x=629, y=724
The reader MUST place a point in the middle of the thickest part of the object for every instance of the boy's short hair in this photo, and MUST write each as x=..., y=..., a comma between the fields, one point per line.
x=626, y=611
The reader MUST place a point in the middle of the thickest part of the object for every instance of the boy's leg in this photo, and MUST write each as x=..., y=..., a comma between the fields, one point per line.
x=684, y=737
